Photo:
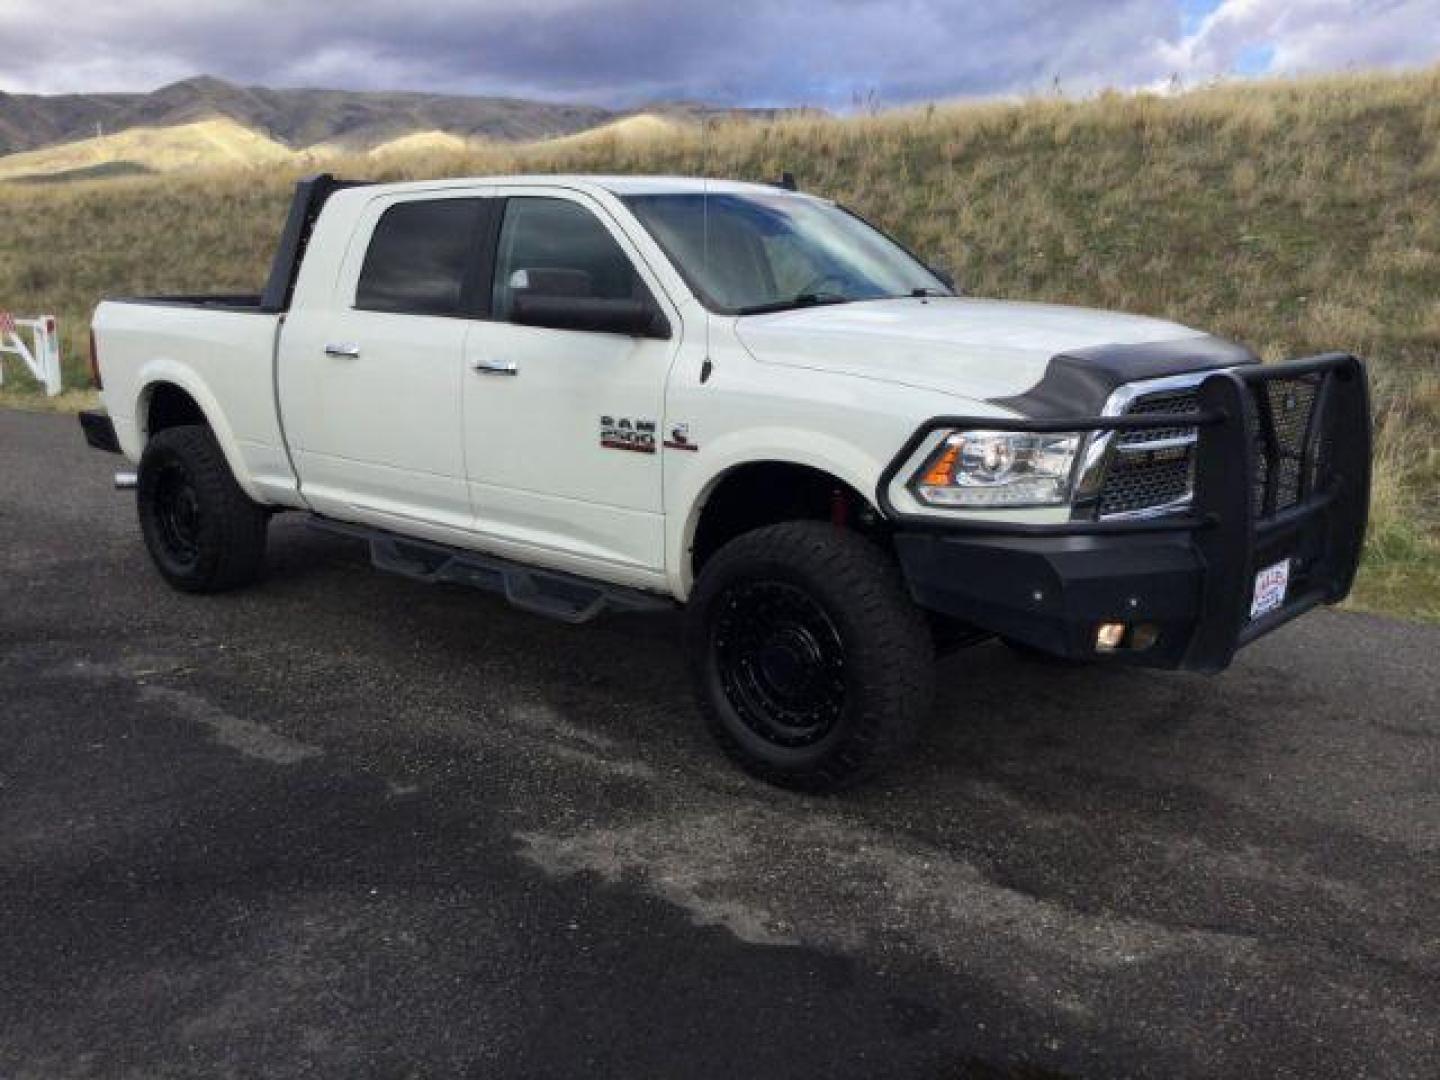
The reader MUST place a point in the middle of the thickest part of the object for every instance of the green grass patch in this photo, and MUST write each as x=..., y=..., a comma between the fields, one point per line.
x=104, y=170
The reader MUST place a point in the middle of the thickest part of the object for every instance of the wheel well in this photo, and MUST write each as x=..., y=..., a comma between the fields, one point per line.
x=769, y=492
x=168, y=407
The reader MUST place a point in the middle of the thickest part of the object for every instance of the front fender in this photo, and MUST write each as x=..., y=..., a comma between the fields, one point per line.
x=756, y=446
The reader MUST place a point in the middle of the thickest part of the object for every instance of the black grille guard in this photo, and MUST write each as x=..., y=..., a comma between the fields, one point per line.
x=1323, y=531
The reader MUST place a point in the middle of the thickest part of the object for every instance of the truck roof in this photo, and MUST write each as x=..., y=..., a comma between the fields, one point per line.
x=617, y=185
x=316, y=192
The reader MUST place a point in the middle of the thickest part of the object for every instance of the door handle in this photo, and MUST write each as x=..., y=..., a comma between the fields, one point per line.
x=347, y=351
x=495, y=367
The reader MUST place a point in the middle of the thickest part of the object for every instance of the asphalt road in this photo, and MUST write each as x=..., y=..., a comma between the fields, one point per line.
x=347, y=825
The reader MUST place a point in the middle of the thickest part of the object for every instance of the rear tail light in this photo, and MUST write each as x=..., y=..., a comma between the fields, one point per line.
x=95, y=380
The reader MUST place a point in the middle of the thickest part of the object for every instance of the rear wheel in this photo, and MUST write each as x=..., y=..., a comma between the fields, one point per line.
x=203, y=533
x=812, y=666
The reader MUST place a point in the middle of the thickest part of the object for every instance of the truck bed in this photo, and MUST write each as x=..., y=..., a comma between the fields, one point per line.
x=216, y=349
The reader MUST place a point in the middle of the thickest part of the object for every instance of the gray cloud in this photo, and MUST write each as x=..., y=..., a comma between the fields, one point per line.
x=623, y=52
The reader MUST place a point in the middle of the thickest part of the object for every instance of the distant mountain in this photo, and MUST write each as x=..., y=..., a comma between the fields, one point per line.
x=340, y=119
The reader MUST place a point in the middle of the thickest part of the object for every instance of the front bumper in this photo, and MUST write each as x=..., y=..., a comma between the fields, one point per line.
x=1182, y=585
x=1054, y=592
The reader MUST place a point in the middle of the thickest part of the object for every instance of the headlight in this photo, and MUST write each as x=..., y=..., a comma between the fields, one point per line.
x=999, y=468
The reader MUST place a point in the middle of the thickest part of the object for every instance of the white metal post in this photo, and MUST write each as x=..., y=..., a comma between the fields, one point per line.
x=51, y=354
x=41, y=356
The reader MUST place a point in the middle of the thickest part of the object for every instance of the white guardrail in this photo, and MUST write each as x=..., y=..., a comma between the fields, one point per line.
x=41, y=356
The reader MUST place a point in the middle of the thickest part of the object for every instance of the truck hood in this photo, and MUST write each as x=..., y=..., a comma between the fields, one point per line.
x=976, y=349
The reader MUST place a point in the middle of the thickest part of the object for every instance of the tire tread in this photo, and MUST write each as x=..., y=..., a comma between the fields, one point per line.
x=235, y=553
x=861, y=582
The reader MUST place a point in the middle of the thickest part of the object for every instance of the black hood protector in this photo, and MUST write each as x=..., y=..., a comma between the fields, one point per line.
x=1078, y=382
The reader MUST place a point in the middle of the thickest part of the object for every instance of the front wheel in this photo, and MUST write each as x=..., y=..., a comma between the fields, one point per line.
x=811, y=664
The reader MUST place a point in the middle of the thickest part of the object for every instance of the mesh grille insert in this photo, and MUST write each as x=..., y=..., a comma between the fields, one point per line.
x=1139, y=480
x=1283, y=408
x=1282, y=417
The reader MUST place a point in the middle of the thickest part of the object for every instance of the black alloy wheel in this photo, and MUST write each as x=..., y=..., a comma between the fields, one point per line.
x=781, y=662
x=811, y=664
x=178, y=514
x=203, y=532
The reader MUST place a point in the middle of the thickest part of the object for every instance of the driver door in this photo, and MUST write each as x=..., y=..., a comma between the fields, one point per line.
x=562, y=441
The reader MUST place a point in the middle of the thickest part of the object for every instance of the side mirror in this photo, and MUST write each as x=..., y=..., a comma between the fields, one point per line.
x=635, y=318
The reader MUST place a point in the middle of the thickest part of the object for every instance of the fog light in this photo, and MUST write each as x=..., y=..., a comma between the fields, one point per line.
x=1144, y=636
x=1109, y=636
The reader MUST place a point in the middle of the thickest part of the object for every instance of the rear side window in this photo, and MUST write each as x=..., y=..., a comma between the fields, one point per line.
x=418, y=257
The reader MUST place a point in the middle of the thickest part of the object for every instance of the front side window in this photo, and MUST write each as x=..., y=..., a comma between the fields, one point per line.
x=557, y=248
x=747, y=254
x=418, y=257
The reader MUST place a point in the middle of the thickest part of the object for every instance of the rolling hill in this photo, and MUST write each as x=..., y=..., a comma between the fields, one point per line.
x=221, y=142
x=638, y=128
x=328, y=120
x=417, y=142
x=200, y=144
x=354, y=120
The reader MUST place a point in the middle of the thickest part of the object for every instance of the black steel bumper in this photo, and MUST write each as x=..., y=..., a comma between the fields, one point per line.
x=99, y=430
x=1183, y=584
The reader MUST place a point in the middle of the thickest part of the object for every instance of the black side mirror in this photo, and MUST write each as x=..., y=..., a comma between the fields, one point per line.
x=635, y=318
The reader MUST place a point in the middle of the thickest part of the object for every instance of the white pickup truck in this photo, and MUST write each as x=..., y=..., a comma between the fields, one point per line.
x=627, y=392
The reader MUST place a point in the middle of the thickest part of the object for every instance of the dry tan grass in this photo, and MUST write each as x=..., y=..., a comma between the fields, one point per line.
x=642, y=129
x=1297, y=216
x=418, y=142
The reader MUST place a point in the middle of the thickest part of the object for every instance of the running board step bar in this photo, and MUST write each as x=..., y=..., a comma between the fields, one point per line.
x=552, y=593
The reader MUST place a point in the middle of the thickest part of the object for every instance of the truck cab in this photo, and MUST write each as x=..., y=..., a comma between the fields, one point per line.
x=637, y=392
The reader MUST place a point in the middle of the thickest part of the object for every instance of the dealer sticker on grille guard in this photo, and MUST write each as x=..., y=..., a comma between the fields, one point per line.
x=1270, y=586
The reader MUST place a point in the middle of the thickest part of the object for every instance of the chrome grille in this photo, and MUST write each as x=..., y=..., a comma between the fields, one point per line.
x=1148, y=469
x=1151, y=469
x=1163, y=401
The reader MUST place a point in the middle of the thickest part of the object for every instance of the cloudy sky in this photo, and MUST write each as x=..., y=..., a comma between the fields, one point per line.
x=744, y=52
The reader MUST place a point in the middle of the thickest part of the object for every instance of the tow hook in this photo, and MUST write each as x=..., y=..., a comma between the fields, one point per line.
x=126, y=481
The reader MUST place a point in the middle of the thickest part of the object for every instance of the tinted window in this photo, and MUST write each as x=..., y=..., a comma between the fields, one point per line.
x=553, y=247
x=418, y=257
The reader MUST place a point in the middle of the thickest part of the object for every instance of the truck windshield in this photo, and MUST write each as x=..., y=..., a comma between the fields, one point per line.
x=748, y=254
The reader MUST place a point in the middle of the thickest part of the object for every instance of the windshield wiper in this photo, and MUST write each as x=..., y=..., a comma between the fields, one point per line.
x=809, y=299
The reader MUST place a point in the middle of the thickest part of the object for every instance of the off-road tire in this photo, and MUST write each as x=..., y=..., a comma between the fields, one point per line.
x=203, y=533
x=878, y=688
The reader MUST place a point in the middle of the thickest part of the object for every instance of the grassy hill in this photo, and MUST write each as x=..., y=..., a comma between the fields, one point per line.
x=643, y=128
x=202, y=144
x=420, y=142
x=1296, y=216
